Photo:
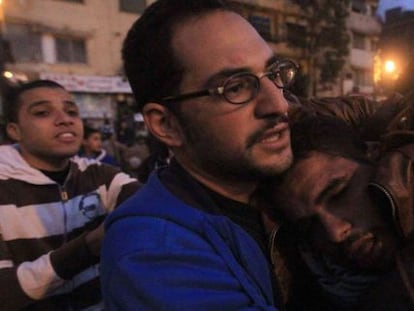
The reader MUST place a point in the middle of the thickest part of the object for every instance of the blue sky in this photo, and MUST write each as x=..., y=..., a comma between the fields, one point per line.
x=389, y=4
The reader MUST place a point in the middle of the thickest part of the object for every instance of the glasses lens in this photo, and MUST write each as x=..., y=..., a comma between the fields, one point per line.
x=241, y=88
x=284, y=73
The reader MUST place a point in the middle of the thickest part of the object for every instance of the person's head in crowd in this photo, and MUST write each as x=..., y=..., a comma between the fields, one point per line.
x=43, y=118
x=92, y=141
x=326, y=195
x=158, y=157
x=211, y=89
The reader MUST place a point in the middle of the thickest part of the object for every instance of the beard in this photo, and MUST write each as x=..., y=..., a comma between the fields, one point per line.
x=362, y=261
x=213, y=155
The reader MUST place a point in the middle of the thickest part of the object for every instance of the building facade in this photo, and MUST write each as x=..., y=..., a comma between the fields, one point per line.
x=284, y=24
x=78, y=43
x=365, y=30
x=74, y=42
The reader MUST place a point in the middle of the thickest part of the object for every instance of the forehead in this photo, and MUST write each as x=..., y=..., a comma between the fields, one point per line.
x=321, y=163
x=46, y=94
x=95, y=135
x=318, y=169
x=217, y=40
x=309, y=177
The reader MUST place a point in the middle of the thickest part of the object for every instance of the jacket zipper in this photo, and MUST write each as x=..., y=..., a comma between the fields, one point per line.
x=64, y=194
x=271, y=247
x=272, y=244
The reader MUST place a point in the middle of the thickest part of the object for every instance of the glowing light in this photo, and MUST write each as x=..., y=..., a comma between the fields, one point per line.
x=8, y=74
x=389, y=66
x=377, y=70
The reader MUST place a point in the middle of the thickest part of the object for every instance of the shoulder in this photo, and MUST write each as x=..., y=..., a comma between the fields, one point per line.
x=97, y=171
x=9, y=153
x=153, y=199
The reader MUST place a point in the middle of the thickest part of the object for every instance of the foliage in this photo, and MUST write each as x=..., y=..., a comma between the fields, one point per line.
x=325, y=42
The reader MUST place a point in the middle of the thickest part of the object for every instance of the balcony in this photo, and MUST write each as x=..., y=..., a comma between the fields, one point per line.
x=365, y=24
x=362, y=59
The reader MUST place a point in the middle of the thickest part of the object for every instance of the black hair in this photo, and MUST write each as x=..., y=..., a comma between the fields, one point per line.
x=13, y=94
x=151, y=67
x=88, y=131
x=326, y=134
x=309, y=133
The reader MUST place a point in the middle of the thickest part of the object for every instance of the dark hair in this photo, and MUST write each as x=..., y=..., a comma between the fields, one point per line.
x=88, y=131
x=12, y=97
x=158, y=157
x=326, y=134
x=151, y=67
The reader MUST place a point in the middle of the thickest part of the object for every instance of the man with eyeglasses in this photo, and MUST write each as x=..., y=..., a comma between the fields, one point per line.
x=213, y=92
x=210, y=89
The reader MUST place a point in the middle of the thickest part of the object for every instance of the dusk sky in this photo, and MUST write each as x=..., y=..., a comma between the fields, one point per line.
x=389, y=4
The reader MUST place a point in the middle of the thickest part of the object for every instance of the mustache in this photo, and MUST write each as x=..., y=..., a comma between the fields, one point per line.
x=347, y=244
x=270, y=122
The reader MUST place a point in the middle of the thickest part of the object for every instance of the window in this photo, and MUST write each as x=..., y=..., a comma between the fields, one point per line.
x=77, y=1
x=70, y=50
x=373, y=9
x=132, y=6
x=362, y=77
x=296, y=34
x=263, y=25
x=358, y=41
x=25, y=45
x=374, y=45
x=358, y=6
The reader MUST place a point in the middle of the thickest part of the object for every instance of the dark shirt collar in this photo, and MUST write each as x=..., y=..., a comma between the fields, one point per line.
x=59, y=176
x=192, y=192
x=189, y=190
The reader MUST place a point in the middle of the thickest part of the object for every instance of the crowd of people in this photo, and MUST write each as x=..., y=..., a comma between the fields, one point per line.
x=247, y=198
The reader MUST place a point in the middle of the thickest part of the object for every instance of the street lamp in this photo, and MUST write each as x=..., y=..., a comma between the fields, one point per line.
x=389, y=66
x=391, y=71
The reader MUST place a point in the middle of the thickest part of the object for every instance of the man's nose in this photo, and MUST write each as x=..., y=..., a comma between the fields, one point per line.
x=270, y=100
x=336, y=228
x=63, y=117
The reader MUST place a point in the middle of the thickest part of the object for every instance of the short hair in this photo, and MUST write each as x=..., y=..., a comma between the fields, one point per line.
x=13, y=94
x=326, y=134
x=88, y=131
x=150, y=65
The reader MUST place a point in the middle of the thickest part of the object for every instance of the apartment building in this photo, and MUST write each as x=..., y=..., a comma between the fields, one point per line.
x=279, y=22
x=74, y=42
x=365, y=30
x=78, y=42
x=282, y=23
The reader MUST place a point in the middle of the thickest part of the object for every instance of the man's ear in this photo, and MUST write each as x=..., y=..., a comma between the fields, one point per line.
x=163, y=124
x=13, y=131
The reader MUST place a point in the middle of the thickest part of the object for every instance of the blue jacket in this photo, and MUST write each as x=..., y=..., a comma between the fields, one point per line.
x=161, y=254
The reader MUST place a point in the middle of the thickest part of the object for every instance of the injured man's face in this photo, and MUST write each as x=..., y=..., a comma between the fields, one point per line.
x=327, y=200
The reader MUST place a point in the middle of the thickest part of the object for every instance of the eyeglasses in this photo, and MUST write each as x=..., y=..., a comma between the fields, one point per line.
x=242, y=87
